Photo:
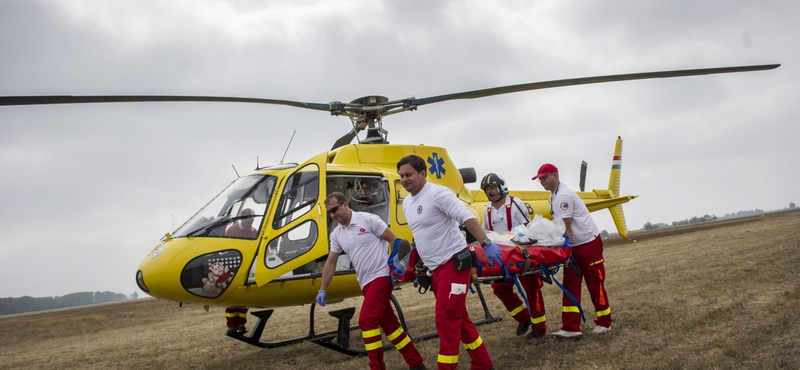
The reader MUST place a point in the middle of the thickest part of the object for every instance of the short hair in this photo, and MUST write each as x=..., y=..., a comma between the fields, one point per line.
x=340, y=198
x=415, y=161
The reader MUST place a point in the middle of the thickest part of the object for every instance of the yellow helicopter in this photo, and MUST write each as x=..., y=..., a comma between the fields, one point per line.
x=261, y=242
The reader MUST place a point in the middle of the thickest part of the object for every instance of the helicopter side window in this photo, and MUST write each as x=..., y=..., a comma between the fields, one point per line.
x=299, y=195
x=369, y=195
x=292, y=244
x=210, y=275
x=365, y=193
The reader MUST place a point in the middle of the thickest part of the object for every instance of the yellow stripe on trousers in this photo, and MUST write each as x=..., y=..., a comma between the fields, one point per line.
x=516, y=310
x=538, y=319
x=604, y=312
x=370, y=333
x=473, y=345
x=373, y=345
x=395, y=334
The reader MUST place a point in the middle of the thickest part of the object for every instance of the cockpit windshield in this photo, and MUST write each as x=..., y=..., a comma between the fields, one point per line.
x=237, y=212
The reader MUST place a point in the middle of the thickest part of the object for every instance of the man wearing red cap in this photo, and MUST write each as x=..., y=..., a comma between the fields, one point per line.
x=587, y=251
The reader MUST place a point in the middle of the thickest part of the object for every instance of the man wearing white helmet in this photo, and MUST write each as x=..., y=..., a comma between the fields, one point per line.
x=501, y=215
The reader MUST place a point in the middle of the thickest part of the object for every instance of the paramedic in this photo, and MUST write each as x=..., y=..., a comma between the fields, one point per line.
x=587, y=251
x=361, y=236
x=503, y=214
x=433, y=213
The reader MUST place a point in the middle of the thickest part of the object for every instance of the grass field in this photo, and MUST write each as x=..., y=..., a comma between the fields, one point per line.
x=720, y=295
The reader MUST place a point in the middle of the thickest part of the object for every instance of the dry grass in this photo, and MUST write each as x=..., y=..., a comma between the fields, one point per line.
x=714, y=296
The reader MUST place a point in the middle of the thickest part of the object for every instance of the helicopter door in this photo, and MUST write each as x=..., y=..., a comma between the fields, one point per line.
x=296, y=233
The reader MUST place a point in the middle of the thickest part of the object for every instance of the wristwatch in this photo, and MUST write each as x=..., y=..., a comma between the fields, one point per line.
x=485, y=243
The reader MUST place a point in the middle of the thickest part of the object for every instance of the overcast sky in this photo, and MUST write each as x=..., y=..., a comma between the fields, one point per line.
x=88, y=190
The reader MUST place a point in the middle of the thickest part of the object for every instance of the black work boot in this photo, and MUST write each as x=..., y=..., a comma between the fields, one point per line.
x=522, y=328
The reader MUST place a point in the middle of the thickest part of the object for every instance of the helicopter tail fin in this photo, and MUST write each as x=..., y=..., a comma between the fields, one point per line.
x=613, y=185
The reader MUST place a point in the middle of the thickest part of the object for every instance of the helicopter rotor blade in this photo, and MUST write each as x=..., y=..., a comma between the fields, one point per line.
x=385, y=107
x=71, y=99
x=585, y=81
x=366, y=110
x=346, y=139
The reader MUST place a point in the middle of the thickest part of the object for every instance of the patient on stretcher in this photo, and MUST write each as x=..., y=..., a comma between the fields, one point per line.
x=540, y=231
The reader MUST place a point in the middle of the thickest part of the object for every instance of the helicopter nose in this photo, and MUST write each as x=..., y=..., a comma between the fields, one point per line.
x=140, y=282
x=153, y=275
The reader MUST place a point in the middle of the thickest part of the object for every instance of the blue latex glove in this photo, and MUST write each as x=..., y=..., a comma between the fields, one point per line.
x=321, y=298
x=393, y=256
x=399, y=258
x=492, y=253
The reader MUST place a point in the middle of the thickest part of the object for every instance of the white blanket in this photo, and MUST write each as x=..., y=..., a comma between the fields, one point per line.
x=544, y=231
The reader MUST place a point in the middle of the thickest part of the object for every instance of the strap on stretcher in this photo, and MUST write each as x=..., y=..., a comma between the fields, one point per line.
x=548, y=274
x=519, y=287
x=543, y=270
x=551, y=276
x=527, y=266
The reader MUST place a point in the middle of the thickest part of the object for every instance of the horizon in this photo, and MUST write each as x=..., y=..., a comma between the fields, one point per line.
x=141, y=294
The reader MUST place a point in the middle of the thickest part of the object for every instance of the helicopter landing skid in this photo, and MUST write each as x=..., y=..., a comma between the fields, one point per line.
x=339, y=339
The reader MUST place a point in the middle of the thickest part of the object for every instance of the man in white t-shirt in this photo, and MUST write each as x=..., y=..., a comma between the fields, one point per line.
x=587, y=251
x=363, y=236
x=502, y=214
x=434, y=213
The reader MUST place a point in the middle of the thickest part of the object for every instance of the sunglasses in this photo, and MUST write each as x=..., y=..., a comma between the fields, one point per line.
x=334, y=209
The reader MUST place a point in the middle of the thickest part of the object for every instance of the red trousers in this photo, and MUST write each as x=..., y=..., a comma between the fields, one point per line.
x=376, y=314
x=235, y=316
x=516, y=307
x=453, y=324
x=590, y=260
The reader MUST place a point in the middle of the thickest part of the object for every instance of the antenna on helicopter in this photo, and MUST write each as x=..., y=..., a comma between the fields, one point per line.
x=287, y=146
x=234, y=170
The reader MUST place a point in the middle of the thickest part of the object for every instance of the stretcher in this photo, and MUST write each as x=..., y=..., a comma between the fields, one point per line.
x=517, y=260
x=521, y=260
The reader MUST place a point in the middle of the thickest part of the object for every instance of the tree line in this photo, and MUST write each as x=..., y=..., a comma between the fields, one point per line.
x=688, y=221
x=707, y=218
x=28, y=304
